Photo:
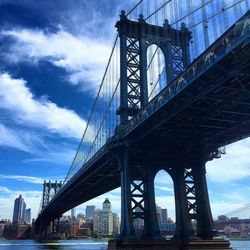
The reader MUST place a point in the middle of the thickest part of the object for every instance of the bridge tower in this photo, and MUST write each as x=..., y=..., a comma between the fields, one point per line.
x=49, y=190
x=138, y=198
x=135, y=38
x=48, y=187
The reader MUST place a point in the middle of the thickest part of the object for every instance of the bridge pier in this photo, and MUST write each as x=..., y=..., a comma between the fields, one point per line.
x=205, y=225
x=151, y=227
x=184, y=229
x=127, y=228
x=191, y=202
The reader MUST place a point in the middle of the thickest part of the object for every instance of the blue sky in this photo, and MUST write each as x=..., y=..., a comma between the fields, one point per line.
x=52, y=58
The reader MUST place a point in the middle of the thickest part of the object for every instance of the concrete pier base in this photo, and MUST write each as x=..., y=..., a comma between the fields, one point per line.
x=168, y=245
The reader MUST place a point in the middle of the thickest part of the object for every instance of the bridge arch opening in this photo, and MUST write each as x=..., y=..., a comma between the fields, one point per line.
x=156, y=73
x=165, y=203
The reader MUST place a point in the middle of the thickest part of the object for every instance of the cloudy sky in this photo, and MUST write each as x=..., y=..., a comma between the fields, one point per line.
x=52, y=56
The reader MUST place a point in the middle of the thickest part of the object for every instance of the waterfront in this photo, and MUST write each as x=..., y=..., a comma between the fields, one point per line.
x=79, y=244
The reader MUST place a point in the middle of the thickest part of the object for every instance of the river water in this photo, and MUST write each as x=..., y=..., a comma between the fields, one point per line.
x=80, y=244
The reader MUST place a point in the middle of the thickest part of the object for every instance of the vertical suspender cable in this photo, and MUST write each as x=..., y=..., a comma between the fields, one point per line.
x=205, y=24
x=247, y=4
x=225, y=15
x=236, y=10
x=215, y=31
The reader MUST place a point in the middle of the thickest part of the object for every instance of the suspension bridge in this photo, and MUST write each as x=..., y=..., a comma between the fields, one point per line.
x=175, y=91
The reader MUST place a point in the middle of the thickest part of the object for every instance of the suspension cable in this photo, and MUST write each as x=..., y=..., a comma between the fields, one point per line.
x=97, y=97
x=135, y=7
x=216, y=14
x=204, y=20
x=93, y=108
x=153, y=13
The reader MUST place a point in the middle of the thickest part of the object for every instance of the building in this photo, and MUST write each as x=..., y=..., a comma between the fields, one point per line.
x=28, y=216
x=89, y=213
x=103, y=220
x=17, y=231
x=138, y=223
x=167, y=229
x=19, y=210
x=164, y=215
x=73, y=212
x=3, y=224
x=233, y=227
x=80, y=216
x=158, y=214
x=116, y=224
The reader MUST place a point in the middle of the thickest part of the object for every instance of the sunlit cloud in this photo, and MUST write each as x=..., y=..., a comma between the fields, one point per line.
x=41, y=113
x=82, y=57
x=28, y=179
x=19, y=139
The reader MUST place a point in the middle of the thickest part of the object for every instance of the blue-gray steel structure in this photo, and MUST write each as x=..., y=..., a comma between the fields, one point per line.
x=204, y=106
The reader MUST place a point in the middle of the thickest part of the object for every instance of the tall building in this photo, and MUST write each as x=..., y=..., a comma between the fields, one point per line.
x=28, y=216
x=158, y=214
x=73, y=212
x=138, y=222
x=164, y=215
x=103, y=219
x=116, y=224
x=89, y=213
x=19, y=210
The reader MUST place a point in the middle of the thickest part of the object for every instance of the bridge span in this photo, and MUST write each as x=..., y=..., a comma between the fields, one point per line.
x=201, y=110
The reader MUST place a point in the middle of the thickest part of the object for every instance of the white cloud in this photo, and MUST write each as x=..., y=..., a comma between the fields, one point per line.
x=17, y=98
x=167, y=189
x=4, y=189
x=16, y=140
x=233, y=166
x=82, y=57
x=57, y=155
x=33, y=143
x=29, y=179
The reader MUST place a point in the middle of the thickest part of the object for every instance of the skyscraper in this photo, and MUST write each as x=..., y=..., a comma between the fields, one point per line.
x=19, y=210
x=28, y=216
x=73, y=212
x=158, y=214
x=89, y=212
x=164, y=215
x=116, y=224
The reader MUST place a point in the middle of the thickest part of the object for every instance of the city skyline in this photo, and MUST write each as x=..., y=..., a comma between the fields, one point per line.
x=47, y=91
